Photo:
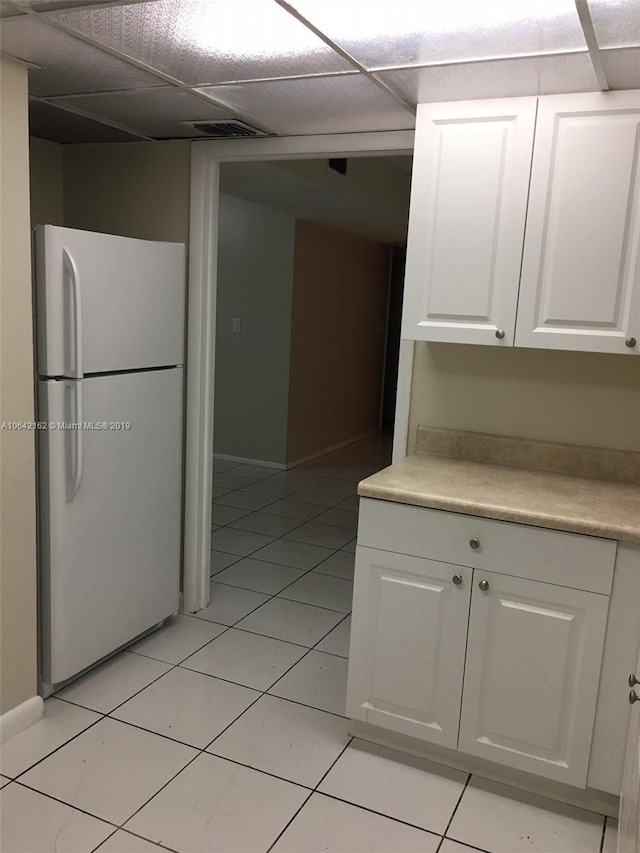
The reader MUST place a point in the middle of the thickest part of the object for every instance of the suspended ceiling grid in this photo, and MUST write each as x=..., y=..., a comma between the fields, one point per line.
x=140, y=69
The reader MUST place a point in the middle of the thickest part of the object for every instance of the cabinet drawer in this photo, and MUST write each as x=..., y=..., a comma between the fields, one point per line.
x=551, y=556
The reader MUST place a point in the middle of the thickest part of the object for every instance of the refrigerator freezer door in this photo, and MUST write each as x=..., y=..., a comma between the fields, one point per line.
x=110, y=514
x=107, y=303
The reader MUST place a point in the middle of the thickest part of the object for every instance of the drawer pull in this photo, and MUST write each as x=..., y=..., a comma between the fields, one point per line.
x=633, y=697
x=630, y=342
x=633, y=680
x=484, y=585
x=474, y=543
x=457, y=579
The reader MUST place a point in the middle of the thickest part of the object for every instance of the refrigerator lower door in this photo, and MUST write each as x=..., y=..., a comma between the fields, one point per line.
x=110, y=514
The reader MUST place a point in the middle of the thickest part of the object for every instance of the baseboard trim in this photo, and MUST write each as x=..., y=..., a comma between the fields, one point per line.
x=20, y=718
x=282, y=466
x=585, y=798
x=243, y=460
x=332, y=448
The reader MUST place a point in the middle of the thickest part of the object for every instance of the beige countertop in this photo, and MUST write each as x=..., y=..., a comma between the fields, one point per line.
x=577, y=504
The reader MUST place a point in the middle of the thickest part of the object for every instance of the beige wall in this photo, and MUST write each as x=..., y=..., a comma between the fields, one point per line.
x=581, y=398
x=340, y=293
x=18, y=629
x=134, y=189
x=45, y=172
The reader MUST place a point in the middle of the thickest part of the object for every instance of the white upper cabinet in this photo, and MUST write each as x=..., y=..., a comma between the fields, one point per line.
x=580, y=285
x=466, y=227
x=572, y=273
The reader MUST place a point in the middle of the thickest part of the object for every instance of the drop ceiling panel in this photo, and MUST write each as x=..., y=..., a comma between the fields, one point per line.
x=622, y=67
x=338, y=104
x=52, y=5
x=49, y=122
x=385, y=33
x=616, y=22
x=497, y=79
x=68, y=65
x=201, y=42
x=155, y=112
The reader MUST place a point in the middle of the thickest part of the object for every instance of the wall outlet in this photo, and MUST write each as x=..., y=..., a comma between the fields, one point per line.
x=236, y=325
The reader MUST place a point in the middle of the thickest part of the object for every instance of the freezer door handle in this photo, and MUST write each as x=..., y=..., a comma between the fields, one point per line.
x=75, y=339
x=75, y=439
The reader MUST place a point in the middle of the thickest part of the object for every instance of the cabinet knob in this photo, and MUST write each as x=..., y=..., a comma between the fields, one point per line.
x=633, y=680
x=633, y=697
x=484, y=585
x=500, y=334
x=630, y=342
x=457, y=579
x=474, y=543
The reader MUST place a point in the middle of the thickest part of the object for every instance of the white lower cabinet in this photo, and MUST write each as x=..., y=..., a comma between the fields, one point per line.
x=629, y=832
x=501, y=667
x=534, y=652
x=408, y=639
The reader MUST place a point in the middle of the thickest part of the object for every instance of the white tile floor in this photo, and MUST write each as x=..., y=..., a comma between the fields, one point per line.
x=225, y=732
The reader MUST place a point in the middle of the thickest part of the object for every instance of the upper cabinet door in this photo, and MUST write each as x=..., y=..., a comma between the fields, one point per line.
x=580, y=287
x=466, y=226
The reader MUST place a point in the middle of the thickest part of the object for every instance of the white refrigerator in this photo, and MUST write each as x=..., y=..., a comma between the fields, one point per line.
x=110, y=344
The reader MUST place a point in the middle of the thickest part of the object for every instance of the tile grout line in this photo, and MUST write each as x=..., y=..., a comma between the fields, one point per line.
x=279, y=593
x=472, y=848
x=381, y=814
x=290, y=642
x=453, y=813
x=73, y=737
x=256, y=633
x=196, y=672
x=604, y=833
x=311, y=793
x=251, y=555
x=68, y=805
x=135, y=835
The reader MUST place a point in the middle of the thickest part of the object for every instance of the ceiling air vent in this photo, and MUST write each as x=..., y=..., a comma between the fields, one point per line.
x=225, y=129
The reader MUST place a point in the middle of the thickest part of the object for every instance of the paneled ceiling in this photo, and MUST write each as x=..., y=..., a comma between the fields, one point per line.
x=143, y=69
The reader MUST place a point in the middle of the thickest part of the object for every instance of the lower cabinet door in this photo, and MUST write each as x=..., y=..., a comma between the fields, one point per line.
x=408, y=638
x=531, y=677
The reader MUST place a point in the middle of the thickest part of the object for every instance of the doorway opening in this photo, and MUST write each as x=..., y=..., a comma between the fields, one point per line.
x=309, y=294
x=205, y=216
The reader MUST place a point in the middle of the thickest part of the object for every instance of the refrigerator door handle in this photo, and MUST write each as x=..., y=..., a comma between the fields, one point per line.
x=71, y=272
x=75, y=440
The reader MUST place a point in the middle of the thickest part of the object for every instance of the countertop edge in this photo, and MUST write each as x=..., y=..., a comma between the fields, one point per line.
x=568, y=524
